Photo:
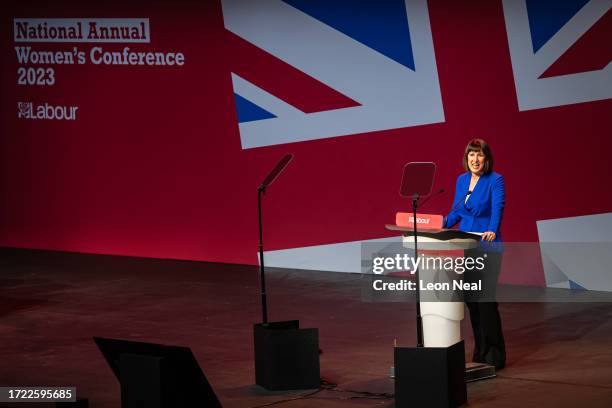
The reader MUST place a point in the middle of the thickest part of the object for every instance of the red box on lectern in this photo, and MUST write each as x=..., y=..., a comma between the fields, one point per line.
x=424, y=221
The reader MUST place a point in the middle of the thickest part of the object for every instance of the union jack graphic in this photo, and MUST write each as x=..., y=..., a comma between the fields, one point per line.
x=383, y=84
x=560, y=51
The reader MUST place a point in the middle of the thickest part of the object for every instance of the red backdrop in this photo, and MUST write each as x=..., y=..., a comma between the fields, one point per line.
x=154, y=167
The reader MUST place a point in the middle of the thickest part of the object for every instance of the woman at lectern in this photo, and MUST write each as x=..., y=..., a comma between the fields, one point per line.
x=478, y=206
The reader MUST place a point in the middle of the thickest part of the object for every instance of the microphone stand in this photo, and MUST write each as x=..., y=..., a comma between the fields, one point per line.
x=262, y=272
x=280, y=166
x=419, y=318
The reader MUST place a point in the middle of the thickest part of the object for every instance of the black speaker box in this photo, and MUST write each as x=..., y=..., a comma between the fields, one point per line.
x=286, y=357
x=432, y=377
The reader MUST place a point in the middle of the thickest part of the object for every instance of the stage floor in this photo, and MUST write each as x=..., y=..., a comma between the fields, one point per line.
x=51, y=304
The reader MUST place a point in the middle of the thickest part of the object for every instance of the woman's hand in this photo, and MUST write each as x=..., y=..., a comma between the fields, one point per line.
x=488, y=236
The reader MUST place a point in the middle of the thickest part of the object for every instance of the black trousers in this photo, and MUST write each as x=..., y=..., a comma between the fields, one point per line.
x=489, y=346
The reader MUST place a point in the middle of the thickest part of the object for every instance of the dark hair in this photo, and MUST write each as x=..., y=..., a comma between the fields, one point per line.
x=479, y=145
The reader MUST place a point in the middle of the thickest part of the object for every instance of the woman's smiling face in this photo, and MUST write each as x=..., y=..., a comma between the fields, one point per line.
x=476, y=161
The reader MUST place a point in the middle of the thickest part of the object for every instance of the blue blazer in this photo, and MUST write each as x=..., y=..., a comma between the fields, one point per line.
x=484, y=208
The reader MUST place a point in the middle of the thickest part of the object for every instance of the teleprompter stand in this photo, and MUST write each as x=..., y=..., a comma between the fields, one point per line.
x=426, y=376
x=286, y=356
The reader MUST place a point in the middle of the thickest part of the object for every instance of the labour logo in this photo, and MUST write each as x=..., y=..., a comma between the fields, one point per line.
x=24, y=109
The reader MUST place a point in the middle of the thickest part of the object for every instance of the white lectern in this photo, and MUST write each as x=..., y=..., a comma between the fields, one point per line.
x=441, y=318
x=442, y=315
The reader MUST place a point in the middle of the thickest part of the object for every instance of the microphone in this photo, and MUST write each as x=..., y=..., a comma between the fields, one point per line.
x=462, y=201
